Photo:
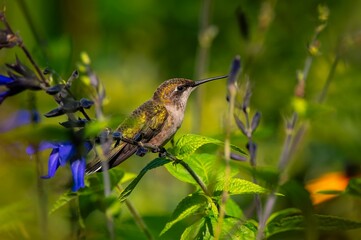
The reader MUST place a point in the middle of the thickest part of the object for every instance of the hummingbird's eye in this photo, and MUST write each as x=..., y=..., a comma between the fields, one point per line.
x=180, y=88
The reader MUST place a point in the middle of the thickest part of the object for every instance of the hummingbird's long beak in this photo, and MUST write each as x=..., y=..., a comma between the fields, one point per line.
x=199, y=82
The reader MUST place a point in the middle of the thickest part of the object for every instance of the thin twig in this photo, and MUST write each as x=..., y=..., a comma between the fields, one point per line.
x=329, y=79
x=194, y=175
x=20, y=43
x=31, y=24
x=137, y=218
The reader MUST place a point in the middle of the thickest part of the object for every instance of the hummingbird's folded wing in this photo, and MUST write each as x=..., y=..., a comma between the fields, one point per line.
x=140, y=126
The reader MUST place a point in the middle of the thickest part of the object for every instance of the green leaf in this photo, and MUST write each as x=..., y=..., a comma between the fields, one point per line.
x=189, y=143
x=233, y=209
x=239, y=186
x=201, y=165
x=292, y=220
x=127, y=177
x=193, y=204
x=205, y=165
x=115, y=175
x=277, y=224
x=64, y=199
x=153, y=164
x=330, y=192
x=197, y=231
x=330, y=223
x=354, y=187
x=235, y=229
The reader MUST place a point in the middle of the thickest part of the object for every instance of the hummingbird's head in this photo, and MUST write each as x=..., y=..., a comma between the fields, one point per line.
x=176, y=91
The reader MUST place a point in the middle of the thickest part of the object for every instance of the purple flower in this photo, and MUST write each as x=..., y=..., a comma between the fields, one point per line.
x=4, y=81
x=62, y=153
x=19, y=78
x=19, y=118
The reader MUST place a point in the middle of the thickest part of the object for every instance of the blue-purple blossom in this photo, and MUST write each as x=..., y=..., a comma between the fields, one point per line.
x=19, y=79
x=4, y=81
x=62, y=153
x=19, y=118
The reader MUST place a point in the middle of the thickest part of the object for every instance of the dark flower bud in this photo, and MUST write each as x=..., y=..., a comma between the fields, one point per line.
x=117, y=135
x=255, y=121
x=233, y=76
x=21, y=69
x=141, y=151
x=73, y=76
x=55, y=112
x=237, y=157
x=19, y=78
x=251, y=147
x=247, y=97
x=71, y=106
x=86, y=103
x=73, y=124
x=55, y=89
x=240, y=125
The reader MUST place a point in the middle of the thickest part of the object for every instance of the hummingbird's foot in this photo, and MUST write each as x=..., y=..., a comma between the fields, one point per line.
x=162, y=152
x=141, y=151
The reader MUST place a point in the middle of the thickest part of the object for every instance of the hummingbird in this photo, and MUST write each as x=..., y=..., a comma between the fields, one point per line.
x=154, y=122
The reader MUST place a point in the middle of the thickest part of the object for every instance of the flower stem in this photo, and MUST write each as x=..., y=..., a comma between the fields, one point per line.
x=329, y=79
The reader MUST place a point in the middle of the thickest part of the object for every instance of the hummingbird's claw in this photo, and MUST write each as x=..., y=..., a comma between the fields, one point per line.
x=162, y=152
x=141, y=151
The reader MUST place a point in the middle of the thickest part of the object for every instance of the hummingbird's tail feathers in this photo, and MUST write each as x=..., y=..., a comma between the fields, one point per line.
x=94, y=166
x=116, y=156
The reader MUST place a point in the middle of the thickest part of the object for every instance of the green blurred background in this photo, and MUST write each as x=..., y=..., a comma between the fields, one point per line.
x=136, y=45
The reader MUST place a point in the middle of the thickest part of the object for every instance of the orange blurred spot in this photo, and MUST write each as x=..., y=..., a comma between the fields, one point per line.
x=334, y=181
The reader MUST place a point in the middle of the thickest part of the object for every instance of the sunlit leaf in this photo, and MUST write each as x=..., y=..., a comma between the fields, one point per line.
x=204, y=165
x=239, y=186
x=195, y=231
x=189, y=143
x=292, y=219
x=64, y=199
x=234, y=229
x=191, y=205
x=127, y=177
